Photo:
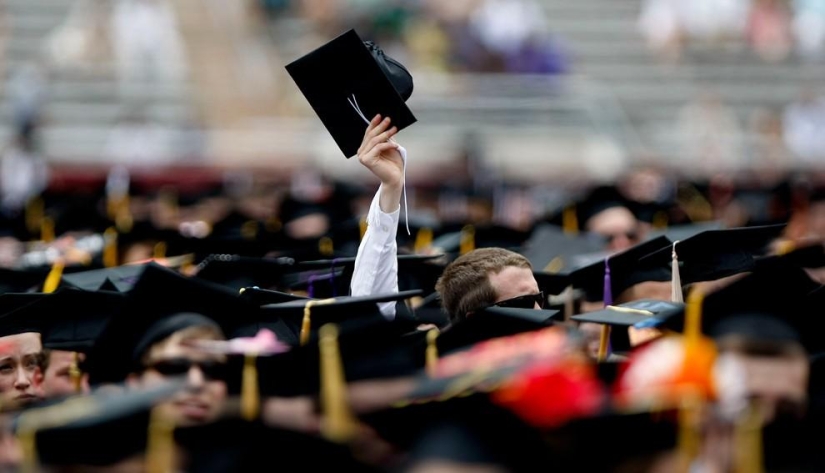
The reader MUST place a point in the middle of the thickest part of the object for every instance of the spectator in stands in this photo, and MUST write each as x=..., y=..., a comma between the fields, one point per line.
x=660, y=24
x=147, y=43
x=809, y=28
x=24, y=173
x=769, y=30
x=507, y=28
x=710, y=133
x=804, y=125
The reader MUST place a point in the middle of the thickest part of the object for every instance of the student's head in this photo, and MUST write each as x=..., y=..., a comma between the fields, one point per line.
x=484, y=277
x=164, y=352
x=20, y=368
x=58, y=379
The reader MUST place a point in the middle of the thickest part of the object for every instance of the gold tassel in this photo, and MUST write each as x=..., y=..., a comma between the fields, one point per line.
x=468, y=239
x=250, y=394
x=660, y=220
x=675, y=278
x=123, y=216
x=249, y=230
x=35, y=210
x=604, y=339
x=431, y=358
x=689, y=436
x=306, y=323
x=570, y=222
x=75, y=374
x=47, y=229
x=28, y=448
x=160, y=452
x=362, y=227
x=53, y=279
x=325, y=246
x=693, y=317
x=110, y=248
x=748, y=456
x=338, y=422
x=159, y=250
x=423, y=239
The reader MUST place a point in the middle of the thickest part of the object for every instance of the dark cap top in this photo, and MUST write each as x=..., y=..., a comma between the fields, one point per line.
x=347, y=87
x=492, y=322
x=627, y=269
x=631, y=313
x=715, y=254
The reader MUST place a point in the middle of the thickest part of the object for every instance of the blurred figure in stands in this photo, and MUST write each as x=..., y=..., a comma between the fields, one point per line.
x=769, y=30
x=710, y=133
x=809, y=28
x=804, y=124
x=24, y=172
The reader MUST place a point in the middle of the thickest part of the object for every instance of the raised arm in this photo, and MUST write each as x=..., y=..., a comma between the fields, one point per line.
x=376, y=265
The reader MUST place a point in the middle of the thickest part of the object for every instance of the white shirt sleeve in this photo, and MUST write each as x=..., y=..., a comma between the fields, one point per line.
x=376, y=265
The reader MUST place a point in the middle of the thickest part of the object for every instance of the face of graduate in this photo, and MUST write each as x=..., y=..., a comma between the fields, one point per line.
x=618, y=226
x=20, y=375
x=203, y=401
x=57, y=379
x=514, y=281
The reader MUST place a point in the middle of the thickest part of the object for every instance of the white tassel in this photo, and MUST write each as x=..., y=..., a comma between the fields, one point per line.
x=676, y=279
x=354, y=104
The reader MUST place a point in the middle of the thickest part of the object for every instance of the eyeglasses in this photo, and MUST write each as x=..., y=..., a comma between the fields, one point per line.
x=213, y=370
x=527, y=301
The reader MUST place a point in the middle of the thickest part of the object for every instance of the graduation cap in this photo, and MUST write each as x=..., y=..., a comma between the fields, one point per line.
x=685, y=231
x=236, y=271
x=552, y=250
x=162, y=302
x=71, y=432
x=715, y=254
x=468, y=237
x=267, y=296
x=11, y=301
x=628, y=315
x=22, y=280
x=492, y=322
x=767, y=306
x=347, y=85
x=68, y=319
x=119, y=278
x=626, y=269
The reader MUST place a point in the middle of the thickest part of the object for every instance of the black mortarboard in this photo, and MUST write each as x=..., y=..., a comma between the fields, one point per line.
x=685, y=231
x=22, y=280
x=71, y=432
x=11, y=301
x=467, y=237
x=153, y=311
x=715, y=254
x=492, y=322
x=626, y=270
x=550, y=249
x=119, y=278
x=267, y=296
x=67, y=319
x=346, y=86
x=808, y=256
x=631, y=313
x=237, y=271
x=766, y=305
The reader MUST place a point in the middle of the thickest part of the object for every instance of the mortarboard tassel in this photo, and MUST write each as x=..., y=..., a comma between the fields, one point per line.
x=688, y=442
x=748, y=437
x=570, y=222
x=362, y=228
x=431, y=356
x=325, y=246
x=55, y=274
x=159, y=250
x=26, y=437
x=110, y=247
x=468, y=239
x=306, y=322
x=75, y=374
x=34, y=215
x=249, y=230
x=250, y=395
x=660, y=220
x=338, y=423
x=604, y=339
x=675, y=278
x=160, y=452
x=423, y=239
x=47, y=229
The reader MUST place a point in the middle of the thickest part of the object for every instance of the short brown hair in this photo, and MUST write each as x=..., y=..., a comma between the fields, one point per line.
x=465, y=287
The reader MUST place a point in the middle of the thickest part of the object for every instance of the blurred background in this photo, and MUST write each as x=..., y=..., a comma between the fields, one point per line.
x=523, y=105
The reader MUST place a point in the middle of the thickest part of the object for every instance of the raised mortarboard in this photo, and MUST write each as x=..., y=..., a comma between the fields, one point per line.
x=70, y=432
x=715, y=254
x=626, y=269
x=346, y=85
x=67, y=319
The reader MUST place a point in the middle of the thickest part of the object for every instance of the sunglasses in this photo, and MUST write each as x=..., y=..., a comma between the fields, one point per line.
x=527, y=301
x=213, y=370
